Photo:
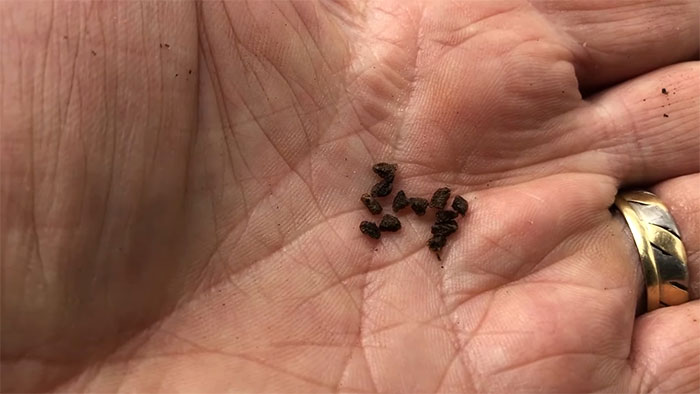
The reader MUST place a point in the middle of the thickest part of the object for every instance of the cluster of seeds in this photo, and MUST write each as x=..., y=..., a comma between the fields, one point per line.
x=445, y=223
x=381, y=189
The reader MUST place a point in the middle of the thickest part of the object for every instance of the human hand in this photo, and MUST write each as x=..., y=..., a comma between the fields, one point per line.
x=180, y=189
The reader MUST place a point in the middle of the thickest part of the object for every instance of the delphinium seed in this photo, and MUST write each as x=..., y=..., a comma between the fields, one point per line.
x=385, y=170
x=400, y=201
x=419, y=205
x=370, y=229
x=460, y=205
x=440, y=197
x=383, y=188
x=436, y=243
x=444, y=228
x=390, y=223
x=443, y=216
x=372, y=205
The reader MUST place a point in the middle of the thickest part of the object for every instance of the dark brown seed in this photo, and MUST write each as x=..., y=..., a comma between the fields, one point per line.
x=445, y=228
x=372, y=205
x=385, y=170
x=400, y=201
x=437, y=242
x=440, y=197
x=370, y=229
x=460, y=205
x=382, y=189
x=419, y=205
x=444, y=216
x=390, y=223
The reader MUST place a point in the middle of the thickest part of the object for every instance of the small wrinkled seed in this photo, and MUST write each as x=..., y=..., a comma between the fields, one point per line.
x=445, y=228
x=372, y=205
x=443, y=216
x=440, y=197
x=382, y=189
x=418, y=205
x=370, y=229
x=437, y=242
x=390, y=223
x=460, y=205
x=385, y=170
x=400, y=201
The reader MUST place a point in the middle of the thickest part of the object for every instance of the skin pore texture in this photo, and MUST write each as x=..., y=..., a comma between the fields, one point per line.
x=181, y=182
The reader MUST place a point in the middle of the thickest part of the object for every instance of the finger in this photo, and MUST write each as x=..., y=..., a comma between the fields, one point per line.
x=616, y=40
x=681, y=197
x=645, y=130
x=665, y=354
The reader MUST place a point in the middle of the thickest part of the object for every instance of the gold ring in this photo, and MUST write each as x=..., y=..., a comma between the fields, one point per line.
x=660, y=248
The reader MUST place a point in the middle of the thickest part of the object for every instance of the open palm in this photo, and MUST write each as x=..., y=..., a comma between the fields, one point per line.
x=181, y=182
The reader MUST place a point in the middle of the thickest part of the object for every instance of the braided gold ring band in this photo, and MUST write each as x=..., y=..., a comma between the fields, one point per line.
x=660, y=248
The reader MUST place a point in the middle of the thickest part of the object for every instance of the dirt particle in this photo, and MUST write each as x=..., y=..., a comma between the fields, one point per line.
x=176, y=75
x=440, y=197
x=189, y=71
x=460, y=205
x=664, y=91
x=93, y=52
x=390, y=223
x=418, y=205
x=665, y=115
x=372, y=205
x=400, y=201
x=166, y=45
x=370, y=229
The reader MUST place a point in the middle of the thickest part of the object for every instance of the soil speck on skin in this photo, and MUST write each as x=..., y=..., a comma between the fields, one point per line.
x=189, y=71
x=664, y=91
x=370, y=229
x=665, y=115
x=176, y=75
x=93, y=53
x=166, y=45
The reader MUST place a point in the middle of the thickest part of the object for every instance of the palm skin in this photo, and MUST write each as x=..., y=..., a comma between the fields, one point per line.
x=193, y=223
